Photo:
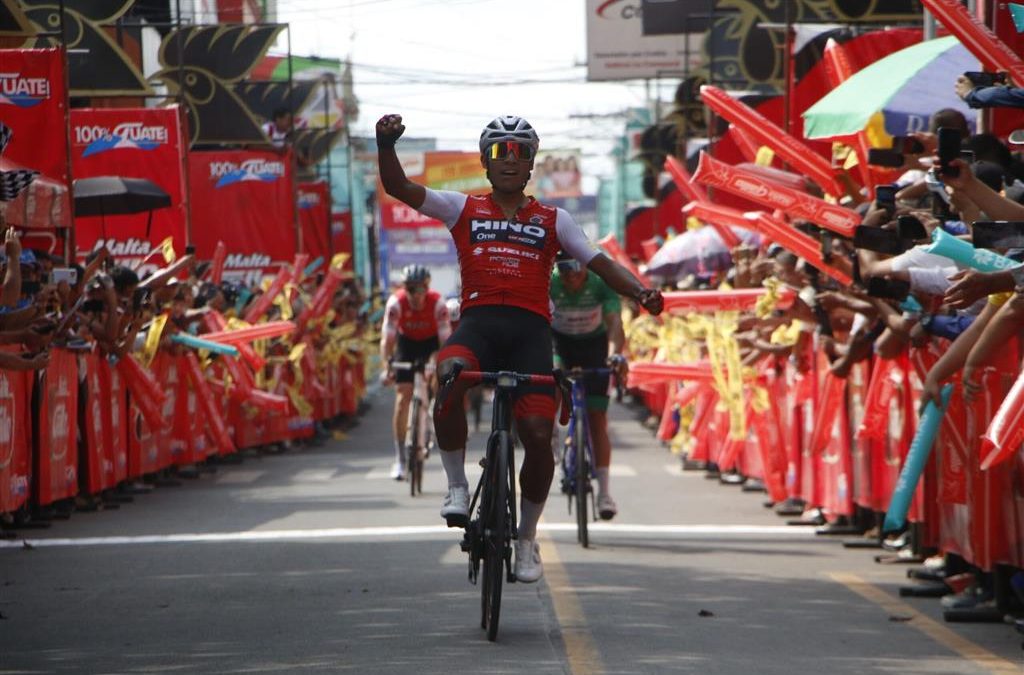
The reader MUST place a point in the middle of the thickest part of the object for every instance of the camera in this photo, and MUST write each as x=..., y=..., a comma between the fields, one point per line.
x=885, y=157
x=68, y=275
x=910, y=228
x=885, y=198
x=949, y=149
x=907, y=145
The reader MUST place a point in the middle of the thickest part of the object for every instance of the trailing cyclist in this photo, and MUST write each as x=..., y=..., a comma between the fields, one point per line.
x=506, y=244
x=586, y=324
x=415, y=324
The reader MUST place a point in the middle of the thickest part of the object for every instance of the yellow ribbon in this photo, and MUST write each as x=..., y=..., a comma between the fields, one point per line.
x=152, y=343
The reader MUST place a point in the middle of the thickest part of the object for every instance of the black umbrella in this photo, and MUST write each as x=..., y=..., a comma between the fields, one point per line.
x=114, y=195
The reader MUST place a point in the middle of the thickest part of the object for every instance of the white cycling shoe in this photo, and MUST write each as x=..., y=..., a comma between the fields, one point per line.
x=606, y=507
x=398, y=471
x=528, y=568
x=456, y=506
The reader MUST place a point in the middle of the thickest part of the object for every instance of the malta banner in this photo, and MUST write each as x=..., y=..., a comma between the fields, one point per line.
x=134, y=143
x=243, y=198
x=314, y=219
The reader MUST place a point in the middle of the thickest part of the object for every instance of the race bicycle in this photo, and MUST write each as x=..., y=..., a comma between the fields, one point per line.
x=418, y=430
x=492, y=528
x=577, y=460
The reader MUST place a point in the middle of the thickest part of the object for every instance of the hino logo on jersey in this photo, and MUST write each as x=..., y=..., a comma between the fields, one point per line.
x=507, y=231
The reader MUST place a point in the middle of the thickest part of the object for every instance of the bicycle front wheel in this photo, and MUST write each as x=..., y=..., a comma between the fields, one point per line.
x=582, y=480
x=495, y=531
x=413, y=460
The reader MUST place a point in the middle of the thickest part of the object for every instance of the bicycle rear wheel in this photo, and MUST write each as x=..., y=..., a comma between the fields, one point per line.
x=582, y=480
x=495, y=532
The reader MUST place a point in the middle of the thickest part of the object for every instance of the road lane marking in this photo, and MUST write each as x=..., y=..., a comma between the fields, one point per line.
x=239, y=477
x=580, y=648
x=314, y=476
x=676, y=470
x=621, y=471
x=681, y=531
x=933, y=629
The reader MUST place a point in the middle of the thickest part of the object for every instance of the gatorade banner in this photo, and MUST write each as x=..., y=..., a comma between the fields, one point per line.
x=15, y=458
x=772, y=195
x=315, y=219
x=243, y=198
x=56, y=445
x=134, y=143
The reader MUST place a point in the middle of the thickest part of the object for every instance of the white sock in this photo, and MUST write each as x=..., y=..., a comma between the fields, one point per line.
x=398, y=452
x=530, y=514
x=454, y=462
x=602, y=480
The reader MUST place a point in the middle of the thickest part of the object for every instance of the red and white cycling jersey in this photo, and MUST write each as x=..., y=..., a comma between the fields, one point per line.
x=416, y=324
x=503, y=261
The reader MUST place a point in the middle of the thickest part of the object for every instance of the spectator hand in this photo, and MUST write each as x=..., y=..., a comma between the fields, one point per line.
x=930, y=392
x=12, y=245
x=968, y=287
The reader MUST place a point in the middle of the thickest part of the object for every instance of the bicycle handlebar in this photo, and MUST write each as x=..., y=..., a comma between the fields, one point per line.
x=505, y=378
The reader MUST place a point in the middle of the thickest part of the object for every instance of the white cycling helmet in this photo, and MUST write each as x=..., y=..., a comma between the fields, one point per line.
x=508, y=128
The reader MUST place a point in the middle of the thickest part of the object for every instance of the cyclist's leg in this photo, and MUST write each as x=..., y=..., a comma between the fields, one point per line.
x=403, y=396
x=469, y=347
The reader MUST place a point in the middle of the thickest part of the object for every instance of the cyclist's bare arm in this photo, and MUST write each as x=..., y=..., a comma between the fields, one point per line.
x=392, y=175
x=616, y=335
x=444, y=323
x=389, y=329
x=624, y=283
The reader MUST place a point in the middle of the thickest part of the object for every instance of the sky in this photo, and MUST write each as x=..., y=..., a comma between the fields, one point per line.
x=450, y=66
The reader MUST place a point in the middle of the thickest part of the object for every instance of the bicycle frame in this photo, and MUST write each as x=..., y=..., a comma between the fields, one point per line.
x=578, y=399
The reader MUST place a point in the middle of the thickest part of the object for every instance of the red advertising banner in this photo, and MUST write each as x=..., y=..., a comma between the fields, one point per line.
x=460, y=171
x=56, y=444
x=243, y=198
x=134, y=143
x=15, y=470
x=341, y=232
x=315, y=219
x=33, y=106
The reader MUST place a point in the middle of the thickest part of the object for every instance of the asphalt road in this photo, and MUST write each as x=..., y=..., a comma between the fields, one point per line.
x=315, y=561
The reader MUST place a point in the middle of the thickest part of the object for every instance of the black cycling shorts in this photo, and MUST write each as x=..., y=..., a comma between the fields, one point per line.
x=494, y=338
x=586, y=352
x=411, y=350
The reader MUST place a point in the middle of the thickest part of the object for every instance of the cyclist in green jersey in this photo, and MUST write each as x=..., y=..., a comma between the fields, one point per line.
x=586, y=324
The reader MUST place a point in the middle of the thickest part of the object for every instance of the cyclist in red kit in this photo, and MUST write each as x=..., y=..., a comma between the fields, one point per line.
x=415, y=325
x=506, y=243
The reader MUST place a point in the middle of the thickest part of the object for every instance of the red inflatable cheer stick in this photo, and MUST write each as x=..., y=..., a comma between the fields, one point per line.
x=796, y=242
x=737, y=300
x=696, y=193
x=1006, y=431
x=979, y=40
x=205, y=396
x=829, y=400
x=261, y=331
x=215, y=322
x=320, y=302
x=793, y=203
x=654, y=373
x=839, y=69
x=220, y=254
x=747, y=147
x=145, y=390
x=713, y=213
x=262, y=304
x=611, y=246
x=765, y=132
